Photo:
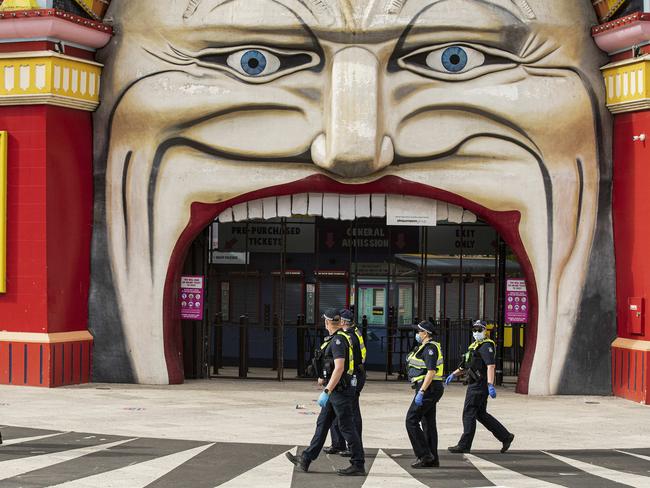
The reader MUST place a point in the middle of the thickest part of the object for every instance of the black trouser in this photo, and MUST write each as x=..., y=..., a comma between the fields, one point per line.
x=475, y=409
x=337, y=439
x=340, y=405
x=424, y=439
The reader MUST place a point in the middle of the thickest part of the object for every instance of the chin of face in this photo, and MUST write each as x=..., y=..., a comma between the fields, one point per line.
x=186, y=125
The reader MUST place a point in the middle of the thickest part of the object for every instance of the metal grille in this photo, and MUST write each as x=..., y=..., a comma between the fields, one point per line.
x=292, y=302
x=452, y=300
x=490, y=312
x=471, y=300
x=331, y=294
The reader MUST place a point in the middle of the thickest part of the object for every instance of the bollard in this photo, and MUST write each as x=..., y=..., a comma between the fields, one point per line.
x=243, y=346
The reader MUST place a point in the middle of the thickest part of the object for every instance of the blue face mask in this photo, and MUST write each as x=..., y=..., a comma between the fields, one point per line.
x=418, y=338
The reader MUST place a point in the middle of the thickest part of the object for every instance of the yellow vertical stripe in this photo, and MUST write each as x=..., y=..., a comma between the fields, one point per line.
x=3, y=211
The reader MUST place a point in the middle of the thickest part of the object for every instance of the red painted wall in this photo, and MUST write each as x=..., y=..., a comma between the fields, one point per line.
x=631, y=214
x=49, y=219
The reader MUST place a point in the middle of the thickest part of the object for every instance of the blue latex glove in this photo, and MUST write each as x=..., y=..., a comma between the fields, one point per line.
x=492, y=391
x=323, y=399
x=449, y=379
x=419, y=399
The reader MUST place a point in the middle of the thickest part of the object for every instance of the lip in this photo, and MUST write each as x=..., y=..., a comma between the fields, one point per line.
x=202, y=214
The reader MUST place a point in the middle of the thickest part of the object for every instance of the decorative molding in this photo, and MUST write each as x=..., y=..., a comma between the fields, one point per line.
x=43, y=338
x=626, y=83
x=633, y=344
x=49, y=78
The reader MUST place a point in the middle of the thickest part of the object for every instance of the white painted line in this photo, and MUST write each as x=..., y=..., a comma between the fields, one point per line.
x=136, y=475
x=640, y=456
x=386, y=472
x=9, y=442
x=274, y=473
x=16, y=467
x=506, y=477
x=621, y=477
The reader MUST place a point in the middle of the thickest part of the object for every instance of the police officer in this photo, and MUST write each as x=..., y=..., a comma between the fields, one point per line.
x=479, y=366
x=425, y=369
x=336, y=400
x=359, y=349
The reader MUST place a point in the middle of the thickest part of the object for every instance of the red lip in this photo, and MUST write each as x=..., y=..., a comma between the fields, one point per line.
x=506, y=223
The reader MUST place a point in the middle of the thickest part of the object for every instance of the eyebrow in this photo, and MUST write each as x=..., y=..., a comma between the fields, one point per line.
x=522, y=6
x=316, y=8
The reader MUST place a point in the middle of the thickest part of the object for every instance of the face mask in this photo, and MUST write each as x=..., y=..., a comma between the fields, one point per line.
x=478, y=336
x=418, y=338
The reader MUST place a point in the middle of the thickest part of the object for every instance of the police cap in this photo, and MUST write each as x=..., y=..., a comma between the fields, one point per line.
x=332, y=314
x=346, y=315
x=426, y=326
x=479, y=325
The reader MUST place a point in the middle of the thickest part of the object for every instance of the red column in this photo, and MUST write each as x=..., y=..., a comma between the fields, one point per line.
x=44, y=338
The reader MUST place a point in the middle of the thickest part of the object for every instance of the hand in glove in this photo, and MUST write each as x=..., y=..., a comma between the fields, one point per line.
x=492, y=391
x=449, y=379
x=419, y=399
x=323, y=399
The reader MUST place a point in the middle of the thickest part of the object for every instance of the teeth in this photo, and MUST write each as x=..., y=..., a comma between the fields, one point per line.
x=362, y=205
x=455, y=214
x=378, y=206
x=330, y=206
x=284, y=206
x=315, y=204
x=299, y=204
x=344, y=207
x=269, y=207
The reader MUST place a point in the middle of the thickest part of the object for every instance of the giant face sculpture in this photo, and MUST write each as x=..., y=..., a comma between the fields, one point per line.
x=492, y=104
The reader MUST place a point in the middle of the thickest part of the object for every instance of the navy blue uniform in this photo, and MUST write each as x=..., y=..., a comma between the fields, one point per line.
x=338, y=442
x=340, y=406
x=476, y=399
x=424, y=440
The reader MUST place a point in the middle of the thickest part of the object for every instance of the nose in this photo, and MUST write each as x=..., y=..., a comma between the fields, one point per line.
x=353, y=143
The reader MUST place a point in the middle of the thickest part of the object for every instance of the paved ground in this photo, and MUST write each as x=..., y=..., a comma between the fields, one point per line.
x=234, y=434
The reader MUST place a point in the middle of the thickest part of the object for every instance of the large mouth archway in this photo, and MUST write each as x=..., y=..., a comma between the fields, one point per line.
x=202, y=214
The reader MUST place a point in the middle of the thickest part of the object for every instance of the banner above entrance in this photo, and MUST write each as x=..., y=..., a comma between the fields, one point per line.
x=337, y=236
x=449, y=240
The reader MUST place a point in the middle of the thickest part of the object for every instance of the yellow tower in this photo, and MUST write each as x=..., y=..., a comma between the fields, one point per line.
x=19, y=5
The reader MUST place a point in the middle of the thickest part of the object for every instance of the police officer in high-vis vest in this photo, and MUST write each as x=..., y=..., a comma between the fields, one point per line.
x=336, y=401
x=478, y=365
x=425, y=371
x=359, y=349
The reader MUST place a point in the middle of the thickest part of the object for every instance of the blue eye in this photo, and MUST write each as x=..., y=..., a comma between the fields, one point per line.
x=253, y=62
x=454, y=59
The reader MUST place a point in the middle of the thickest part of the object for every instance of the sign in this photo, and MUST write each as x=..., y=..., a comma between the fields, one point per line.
x=225, y=301
x=217, y=257
x=448, y=240
x=3, y=211
x=191, y=297
x=336, y=236
x=516, y=301
x=412, y=211
x=310, y=303
x=266, y=237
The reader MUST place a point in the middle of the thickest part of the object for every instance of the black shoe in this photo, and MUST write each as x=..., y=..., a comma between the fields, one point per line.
x=426, y=462
x=458, y=450
x=507, y=442
x=352, y=470
x=299, y=461
x=346, y=453
x=333, y=450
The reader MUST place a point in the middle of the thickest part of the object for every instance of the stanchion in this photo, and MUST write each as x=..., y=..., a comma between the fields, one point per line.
x=243, y=346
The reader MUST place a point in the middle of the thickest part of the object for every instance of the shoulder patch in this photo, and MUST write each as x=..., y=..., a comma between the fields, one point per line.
x=338, y=342
x=430, y=352
x=490, y=349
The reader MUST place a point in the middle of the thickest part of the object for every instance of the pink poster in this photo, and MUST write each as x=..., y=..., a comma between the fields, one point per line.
x=191, y=297
x=516, y=301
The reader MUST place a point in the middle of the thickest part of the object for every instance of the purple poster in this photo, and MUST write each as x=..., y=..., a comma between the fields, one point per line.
x=516, y=301
x=191, y=297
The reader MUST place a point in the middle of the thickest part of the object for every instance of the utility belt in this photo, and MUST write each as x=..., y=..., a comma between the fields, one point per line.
x=473, y=376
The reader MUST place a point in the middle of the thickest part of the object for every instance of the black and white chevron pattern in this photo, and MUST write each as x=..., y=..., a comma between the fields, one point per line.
x=36, y=458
